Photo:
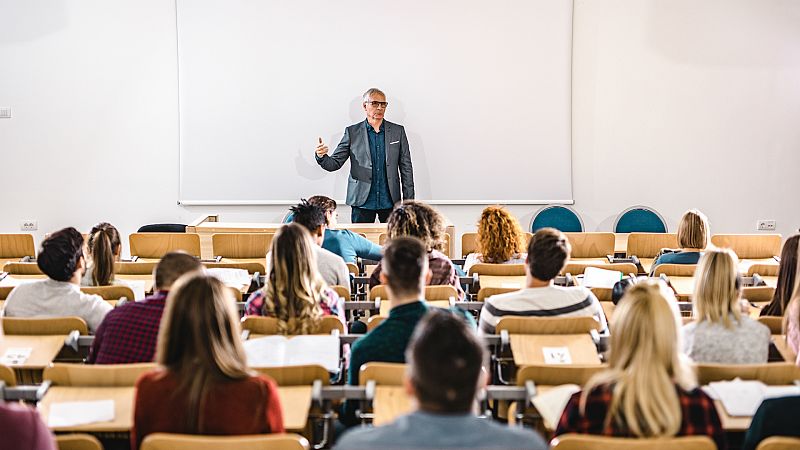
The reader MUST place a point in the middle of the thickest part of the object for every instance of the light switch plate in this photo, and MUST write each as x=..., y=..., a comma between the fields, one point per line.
x=5, y=112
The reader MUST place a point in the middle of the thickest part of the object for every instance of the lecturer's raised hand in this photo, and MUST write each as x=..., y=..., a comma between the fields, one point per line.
x=322, y=149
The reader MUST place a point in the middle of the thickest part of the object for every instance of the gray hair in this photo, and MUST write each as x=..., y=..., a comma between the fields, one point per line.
x=371, y=91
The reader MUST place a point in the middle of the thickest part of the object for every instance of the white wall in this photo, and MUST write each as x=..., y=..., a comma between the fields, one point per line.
x=675, y=104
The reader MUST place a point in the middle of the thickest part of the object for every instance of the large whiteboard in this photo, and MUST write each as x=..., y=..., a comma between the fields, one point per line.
x=482, y=87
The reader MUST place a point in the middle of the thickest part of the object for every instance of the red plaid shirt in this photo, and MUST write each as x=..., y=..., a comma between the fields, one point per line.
x=129, y=333
x=698, y=416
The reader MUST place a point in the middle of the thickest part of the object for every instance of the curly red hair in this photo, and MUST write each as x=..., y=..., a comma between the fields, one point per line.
x=500, y=237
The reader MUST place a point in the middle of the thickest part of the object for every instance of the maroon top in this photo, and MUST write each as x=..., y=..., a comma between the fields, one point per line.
x=249, y=406
x=128, y=334
x=21, y=428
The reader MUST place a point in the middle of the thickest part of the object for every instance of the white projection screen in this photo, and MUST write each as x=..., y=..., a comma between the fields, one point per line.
x=482, y=87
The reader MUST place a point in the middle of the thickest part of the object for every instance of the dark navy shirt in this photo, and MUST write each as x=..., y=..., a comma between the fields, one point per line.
x=378, y=197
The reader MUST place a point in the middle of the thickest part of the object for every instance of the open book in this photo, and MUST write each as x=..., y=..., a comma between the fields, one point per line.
x=276, y=351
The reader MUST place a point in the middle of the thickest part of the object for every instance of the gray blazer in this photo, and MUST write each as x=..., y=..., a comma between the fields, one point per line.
x=355, y=147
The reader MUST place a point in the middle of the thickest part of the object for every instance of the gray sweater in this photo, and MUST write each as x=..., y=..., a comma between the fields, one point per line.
x=746, y=342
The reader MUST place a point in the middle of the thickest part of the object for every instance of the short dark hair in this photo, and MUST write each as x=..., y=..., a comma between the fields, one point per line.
x=308, y=215
x=172, y=266
x=403, y=260
x=548, y=253
x=445, y=358
x=60, y=254
x=326, y=203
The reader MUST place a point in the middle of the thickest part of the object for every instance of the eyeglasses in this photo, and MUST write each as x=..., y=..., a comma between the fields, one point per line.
x=378, y=104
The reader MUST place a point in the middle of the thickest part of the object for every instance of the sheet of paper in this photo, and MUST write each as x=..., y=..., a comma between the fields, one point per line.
x=596, y=277
x=138, y=289
x=511, y=285
x=70, y=414
x=15, y=356
x=740, y=398
x=231, y=277
x=556, y=355
x=314, y=349
x=551, y=404
x=267, y=351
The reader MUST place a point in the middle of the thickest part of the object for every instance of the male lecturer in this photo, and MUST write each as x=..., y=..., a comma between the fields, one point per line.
x=380, y=162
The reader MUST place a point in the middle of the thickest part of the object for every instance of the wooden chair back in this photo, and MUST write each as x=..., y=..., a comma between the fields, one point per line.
x=250, y=266
x=774, y=323
x=277, y=441
x=22, y=268
x=487, y=292
x=96, y=375
x=269, y=325
x=777, y=373
x=758, y=293
x=750, y=246
x=675, y=270
x=578, y=268
x=353, y=268
x=16, y=245
x=296, y=375
x=593, y=442
x=241, y=245
x=779, y=443
x=341, y=291
x=556, y=375
x=382, y=373
x=374, y=321
x=43, y=326
x=114, y=292
x=765, y=270
x=156, y=245
x=501, y=270
x=547, y=325
x=432, y=293
x=591, y=244
x=4, y=291
x=135, y=268
x=8, y=376
x=648, y=245
x=78, y=442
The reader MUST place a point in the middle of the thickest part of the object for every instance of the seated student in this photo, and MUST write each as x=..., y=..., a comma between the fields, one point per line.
x=416, y=219
x=648, y=389
x=61, y=259
x=344, y=243
x=787, y=271
x=294, y=292
x=104, y=247
x=500, y=239
x=406, y=271
x=129, y=333
x=445, y=361
x=791, y=318
x=548, y=253
x=720, y=333
x=774, y=417
x=693, y=237
x=330, y=266
x=203, y=385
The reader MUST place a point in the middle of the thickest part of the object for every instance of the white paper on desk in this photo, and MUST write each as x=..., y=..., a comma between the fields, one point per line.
x=602, y=278
x=742, y=398
x=231, y=277
x=556, y=355
x=15, y=356
x=137, y=286
x=70, y=414
x=277, y=351
x=552, y=403
x=511, y=285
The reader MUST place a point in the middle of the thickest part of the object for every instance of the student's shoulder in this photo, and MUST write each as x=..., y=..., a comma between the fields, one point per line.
x=329, y=257
x=369, y=437
x=511, y=437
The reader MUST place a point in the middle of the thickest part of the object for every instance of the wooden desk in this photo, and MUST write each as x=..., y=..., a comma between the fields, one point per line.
x=123, y=406
x=495, y=281
x=390, y=402
x=684, y=287
x=527, y=348
x=295, y=402
x=44, y=351
x=647, y=264
x=608, y=310
x=744, y=266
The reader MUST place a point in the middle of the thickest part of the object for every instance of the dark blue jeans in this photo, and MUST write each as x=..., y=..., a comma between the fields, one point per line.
x=361, y=215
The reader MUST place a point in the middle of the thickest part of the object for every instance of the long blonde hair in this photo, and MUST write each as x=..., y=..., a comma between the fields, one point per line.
x=795, y=298
x=199, y=340
x=717, y=287
x=294, y=287
x=500, y=236
x=644, y=364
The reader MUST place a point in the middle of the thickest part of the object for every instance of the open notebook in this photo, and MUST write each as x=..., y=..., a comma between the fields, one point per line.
x=276, y=351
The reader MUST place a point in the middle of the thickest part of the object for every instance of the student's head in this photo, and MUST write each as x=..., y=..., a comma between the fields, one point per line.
x=644, y=363
x=445, y=359
x=405, y=267
x=328, y=206
x=693, y=230
x=787, y=272
x=199, y=339
x=417, y=219
x=500, y=236
x=104, y=247
x=794, y=297
x=717, y=287
x=312, y=217
x=294, y=286
x=548, y=252
x=61, y=256
x=172, y=266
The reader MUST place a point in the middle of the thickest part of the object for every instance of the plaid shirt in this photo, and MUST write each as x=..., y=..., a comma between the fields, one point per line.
x=698, y=416
x=129, y=333
x=442, y=269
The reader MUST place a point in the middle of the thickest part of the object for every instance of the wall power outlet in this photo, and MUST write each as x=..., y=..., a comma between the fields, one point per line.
x=29, y=225
x=766, y=225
